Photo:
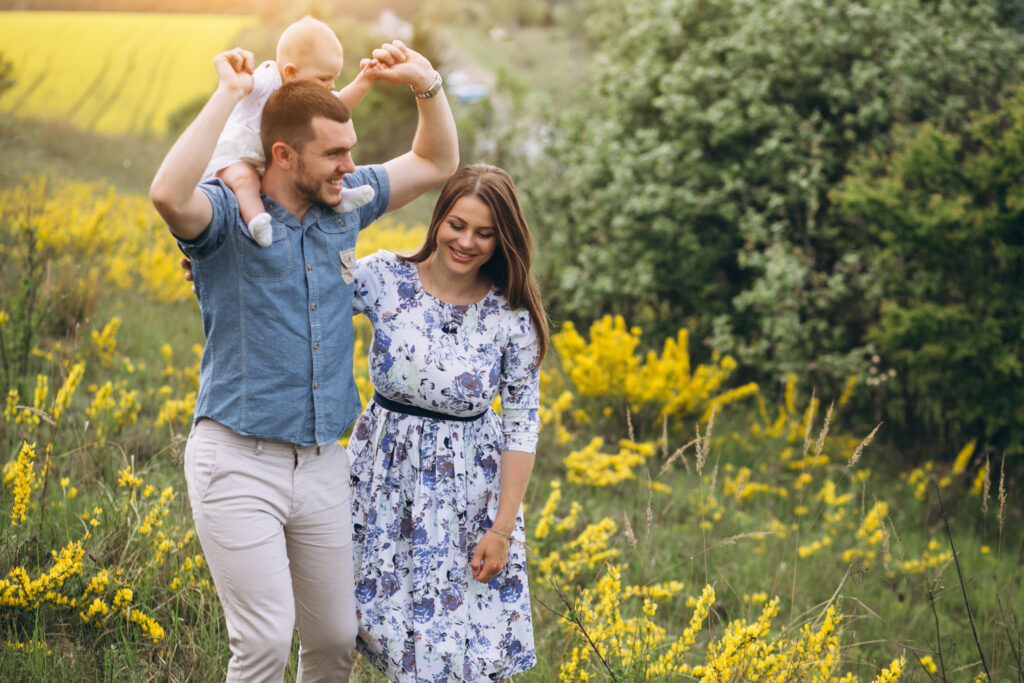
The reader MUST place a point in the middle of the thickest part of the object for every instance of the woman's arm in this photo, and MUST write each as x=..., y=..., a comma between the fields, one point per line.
x=520, y=400
x=491, y=552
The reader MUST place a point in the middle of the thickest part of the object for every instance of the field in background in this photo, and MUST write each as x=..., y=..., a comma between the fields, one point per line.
x=111, y=72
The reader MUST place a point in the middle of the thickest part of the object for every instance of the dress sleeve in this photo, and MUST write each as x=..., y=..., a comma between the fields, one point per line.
x=367, y=285
x=520, y=386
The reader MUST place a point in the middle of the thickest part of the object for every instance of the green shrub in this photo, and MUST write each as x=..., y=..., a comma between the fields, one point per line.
x=944, y=216
x=692, y=188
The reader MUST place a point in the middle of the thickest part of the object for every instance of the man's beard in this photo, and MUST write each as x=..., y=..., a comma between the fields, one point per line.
x=306, y=185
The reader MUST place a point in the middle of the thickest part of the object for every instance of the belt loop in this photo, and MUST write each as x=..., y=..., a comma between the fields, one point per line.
x=259, y=446
x=318, y=450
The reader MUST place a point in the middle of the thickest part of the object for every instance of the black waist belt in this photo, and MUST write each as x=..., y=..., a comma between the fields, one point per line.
x=407, y=409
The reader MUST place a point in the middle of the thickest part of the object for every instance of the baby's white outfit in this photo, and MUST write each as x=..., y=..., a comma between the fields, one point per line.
x=240, y=141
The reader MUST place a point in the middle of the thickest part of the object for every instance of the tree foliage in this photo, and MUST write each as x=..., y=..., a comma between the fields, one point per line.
x=944, y=217
x=692, y=187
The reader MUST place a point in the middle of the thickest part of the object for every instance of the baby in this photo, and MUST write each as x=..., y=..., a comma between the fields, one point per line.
x=307, y=50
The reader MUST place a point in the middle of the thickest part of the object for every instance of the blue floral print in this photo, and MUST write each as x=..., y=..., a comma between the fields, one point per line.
x=424, y=490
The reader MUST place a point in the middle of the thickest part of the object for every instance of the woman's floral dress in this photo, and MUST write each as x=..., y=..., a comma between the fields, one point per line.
x=424, y=490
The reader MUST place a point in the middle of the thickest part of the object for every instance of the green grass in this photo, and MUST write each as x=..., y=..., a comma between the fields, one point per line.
x=45, y=147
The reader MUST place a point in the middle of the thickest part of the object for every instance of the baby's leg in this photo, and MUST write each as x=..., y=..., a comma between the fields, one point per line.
x=244, y=181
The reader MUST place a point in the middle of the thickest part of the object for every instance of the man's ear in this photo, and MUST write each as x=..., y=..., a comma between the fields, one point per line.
x=289, y=71
x=283, y=155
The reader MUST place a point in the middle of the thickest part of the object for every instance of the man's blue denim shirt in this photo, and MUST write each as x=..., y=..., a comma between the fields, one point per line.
x=278, y=320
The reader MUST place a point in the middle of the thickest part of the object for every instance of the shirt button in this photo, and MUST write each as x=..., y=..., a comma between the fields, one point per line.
x=316, y=385
x=316, y=347
x=313, y=307
x=309, y=268
x=341, y=222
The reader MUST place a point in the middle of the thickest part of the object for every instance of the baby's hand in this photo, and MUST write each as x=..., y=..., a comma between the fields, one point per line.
x=371, y=69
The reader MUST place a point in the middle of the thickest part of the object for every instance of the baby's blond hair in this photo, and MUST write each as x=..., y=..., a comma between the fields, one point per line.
x=306, y=37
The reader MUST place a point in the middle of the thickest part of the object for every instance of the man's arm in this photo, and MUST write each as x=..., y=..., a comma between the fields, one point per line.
x=174, y=192
x=435, y=148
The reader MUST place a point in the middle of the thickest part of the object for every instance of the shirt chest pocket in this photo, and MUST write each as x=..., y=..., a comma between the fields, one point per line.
x=266, y=264
x=341, y=248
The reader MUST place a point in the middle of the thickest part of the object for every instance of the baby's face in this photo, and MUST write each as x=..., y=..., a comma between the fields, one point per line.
x=322, y=69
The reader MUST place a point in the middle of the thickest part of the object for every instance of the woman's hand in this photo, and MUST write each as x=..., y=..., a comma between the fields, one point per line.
x=490, y=557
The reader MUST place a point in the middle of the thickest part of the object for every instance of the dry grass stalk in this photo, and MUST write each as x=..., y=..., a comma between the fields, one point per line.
x=731, y=540
x=704, y=442
x=809, y=415
x=820, y=445
x=677, y=455
x=1002, y=494
x=627, y=530
x=650, y=510
x=855, y=458
x=629, y=424
x=41, y=414
x=699, y=441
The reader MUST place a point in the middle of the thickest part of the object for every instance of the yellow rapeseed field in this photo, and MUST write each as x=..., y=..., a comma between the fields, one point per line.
x=108, y=71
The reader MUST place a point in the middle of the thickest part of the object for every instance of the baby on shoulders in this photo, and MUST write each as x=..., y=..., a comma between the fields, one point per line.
x=307, y=50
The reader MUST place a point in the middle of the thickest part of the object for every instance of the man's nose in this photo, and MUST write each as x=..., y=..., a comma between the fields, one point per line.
x=347, y=165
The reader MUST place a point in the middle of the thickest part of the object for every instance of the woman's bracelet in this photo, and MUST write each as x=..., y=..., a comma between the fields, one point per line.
x=504, y=534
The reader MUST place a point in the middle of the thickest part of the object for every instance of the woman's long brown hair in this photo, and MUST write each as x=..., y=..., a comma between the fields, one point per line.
x=509, y=267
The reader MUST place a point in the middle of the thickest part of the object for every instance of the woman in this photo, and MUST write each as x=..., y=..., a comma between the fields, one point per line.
x=437, y=476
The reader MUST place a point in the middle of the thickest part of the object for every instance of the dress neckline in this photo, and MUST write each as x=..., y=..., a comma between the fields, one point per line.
x=419, y=285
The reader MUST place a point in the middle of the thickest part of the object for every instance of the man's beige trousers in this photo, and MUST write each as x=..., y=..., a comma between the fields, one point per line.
x=275, y=525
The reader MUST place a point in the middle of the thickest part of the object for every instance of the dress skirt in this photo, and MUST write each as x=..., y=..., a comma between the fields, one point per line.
x=423, y=492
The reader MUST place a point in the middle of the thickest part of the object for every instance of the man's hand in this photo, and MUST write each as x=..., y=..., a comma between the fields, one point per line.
x=396, y=63
x=234, y=71
x=174, y=192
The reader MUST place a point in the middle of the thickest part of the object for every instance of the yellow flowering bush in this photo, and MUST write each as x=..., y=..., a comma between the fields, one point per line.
x=629, y=644
x=610, y=378
x=76, y=226
x=77, y=581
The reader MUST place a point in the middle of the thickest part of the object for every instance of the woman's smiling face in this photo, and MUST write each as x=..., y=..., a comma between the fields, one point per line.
x=467, y=236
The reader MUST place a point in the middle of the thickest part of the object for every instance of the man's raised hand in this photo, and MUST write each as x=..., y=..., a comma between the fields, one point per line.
x=396, y=63
x=234, y=70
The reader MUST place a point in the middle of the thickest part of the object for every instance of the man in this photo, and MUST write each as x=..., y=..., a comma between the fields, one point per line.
x=267, y=480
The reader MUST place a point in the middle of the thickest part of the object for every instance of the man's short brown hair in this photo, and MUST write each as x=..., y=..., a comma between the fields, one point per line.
x=289, y=113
